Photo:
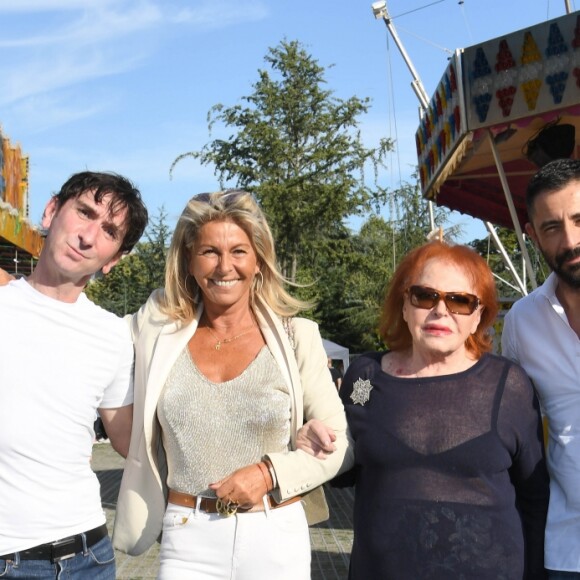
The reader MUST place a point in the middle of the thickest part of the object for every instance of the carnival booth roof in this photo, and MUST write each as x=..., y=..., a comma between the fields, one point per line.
x=502, y=108
x=337, y=352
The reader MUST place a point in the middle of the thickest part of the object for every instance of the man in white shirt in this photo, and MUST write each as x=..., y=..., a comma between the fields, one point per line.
x=62, y=358
x=542, y=332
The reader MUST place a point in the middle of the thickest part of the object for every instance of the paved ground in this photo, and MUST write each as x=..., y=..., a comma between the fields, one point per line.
x=331, y=541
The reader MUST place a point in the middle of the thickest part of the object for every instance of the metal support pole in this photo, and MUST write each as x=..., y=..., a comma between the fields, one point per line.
x=506, y=258
x=380, y=11
x=512, y=210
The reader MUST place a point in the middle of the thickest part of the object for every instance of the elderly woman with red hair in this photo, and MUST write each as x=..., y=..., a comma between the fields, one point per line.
x=449, y=462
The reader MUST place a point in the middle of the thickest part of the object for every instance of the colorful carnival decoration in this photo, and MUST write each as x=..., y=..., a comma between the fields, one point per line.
x=506, y=78
x=482, y=85
x=493, y=99
x=14, y=224
x=530, y=71
x=441, y=124
x=557, y=63
x=576, y=53
x=538, y=60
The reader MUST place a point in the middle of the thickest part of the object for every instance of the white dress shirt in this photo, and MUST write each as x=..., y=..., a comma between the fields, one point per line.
x=538, y=336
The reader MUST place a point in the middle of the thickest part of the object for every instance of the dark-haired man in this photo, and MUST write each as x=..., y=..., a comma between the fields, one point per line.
x=62, y=358
x=542, y=332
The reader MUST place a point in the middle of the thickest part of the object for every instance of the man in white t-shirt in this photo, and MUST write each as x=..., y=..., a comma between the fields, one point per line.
x=62, y=358
x=542, y=332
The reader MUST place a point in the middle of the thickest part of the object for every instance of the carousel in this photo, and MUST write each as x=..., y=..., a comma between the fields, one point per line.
x=20, y=241
x=502, y=109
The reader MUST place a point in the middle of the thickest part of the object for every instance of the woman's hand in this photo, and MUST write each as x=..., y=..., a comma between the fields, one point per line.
x=316, y=439
x=246, y=486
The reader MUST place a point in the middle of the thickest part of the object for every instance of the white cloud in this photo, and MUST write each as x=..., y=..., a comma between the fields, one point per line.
x=48, y=5
x=44, y=112
x=220, y=14
x=43, y=76
x=94, y=39
x=99, y=41
x=95, y=24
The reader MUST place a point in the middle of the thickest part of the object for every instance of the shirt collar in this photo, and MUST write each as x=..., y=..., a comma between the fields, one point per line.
x=548, y=288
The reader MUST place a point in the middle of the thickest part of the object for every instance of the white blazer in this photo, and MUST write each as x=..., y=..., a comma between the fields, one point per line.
x=158, y=343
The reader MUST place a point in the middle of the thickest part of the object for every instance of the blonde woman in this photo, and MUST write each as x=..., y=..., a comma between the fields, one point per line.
x=224, y=377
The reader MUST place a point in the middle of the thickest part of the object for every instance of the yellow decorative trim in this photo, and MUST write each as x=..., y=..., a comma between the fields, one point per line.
x=19, y=232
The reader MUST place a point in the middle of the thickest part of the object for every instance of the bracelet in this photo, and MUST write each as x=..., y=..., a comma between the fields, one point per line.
x=272, y=474
x=263, y=470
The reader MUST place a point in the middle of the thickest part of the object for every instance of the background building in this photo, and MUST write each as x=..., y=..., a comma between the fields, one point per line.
x=20, y=241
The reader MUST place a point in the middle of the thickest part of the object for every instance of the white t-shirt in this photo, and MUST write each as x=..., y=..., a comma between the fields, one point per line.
x=59, y=362
x=537, y=335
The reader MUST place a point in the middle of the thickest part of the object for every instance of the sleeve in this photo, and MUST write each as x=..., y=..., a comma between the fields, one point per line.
x=296, y=471
x=521, y=427
x=119, y=392
x=354, y=415
x=508, y=342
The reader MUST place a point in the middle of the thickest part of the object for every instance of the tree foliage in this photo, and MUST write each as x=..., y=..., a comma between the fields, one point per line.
x=352, y=284
x=506, y=284
x=299, y=150
x=131, y=281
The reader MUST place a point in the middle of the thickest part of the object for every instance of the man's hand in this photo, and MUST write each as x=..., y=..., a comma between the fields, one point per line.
x=316, y=439
x=5, y=277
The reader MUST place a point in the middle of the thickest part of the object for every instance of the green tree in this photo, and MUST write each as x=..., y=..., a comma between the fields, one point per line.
x=506, y=284
x=352, y=282
x=370, y=271
x=132, y=280
x=411, y=220
x=298, y=149
x=153, y=252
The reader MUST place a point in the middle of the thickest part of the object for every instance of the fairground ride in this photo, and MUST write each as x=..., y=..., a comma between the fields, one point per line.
x=502, y=109
x=20, y=241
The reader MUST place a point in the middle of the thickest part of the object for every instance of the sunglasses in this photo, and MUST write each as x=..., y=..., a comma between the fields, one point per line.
x=456, y=302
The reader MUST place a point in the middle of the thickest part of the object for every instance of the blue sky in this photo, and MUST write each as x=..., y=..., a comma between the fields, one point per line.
x=125, y=85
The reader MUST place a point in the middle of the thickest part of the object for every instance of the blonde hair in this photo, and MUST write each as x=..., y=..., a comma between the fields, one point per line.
x=182, y=293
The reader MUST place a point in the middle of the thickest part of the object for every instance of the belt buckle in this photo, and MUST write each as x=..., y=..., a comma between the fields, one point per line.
x=63, y=549
x=226, y=509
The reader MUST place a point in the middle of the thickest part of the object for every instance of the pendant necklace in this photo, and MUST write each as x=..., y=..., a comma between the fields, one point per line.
x=221, y=341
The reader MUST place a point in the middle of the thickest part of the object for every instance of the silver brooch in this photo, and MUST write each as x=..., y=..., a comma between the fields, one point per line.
x=361, y=392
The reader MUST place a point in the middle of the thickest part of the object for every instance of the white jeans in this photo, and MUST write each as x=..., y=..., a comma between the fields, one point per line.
x=266, y=545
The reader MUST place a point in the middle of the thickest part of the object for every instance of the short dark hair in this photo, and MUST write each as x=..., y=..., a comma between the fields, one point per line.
x=125, y=196
x=551, y=177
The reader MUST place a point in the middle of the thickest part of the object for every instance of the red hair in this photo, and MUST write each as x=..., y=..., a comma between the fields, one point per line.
x=393, y=328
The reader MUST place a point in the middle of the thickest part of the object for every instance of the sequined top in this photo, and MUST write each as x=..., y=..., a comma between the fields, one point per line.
x=211, y=429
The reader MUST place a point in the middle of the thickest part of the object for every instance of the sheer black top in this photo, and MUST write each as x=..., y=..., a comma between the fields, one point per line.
x=450, y=474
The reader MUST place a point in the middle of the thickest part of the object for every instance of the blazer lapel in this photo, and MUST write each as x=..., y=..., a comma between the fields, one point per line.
x=172, y=339
x=277, y=340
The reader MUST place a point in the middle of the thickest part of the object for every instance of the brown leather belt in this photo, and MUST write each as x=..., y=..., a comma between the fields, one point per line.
x=210, y=504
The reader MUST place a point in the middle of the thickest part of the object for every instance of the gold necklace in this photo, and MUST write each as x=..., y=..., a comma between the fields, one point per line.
x=221, y=341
